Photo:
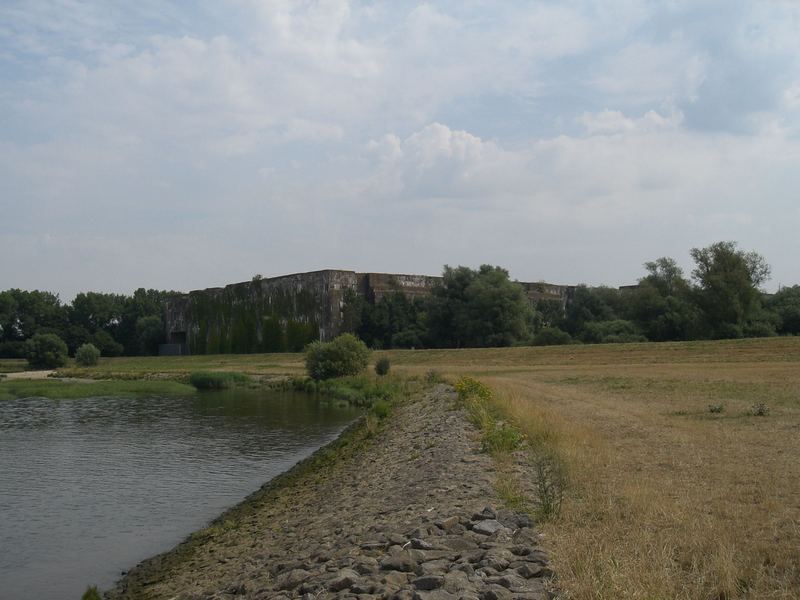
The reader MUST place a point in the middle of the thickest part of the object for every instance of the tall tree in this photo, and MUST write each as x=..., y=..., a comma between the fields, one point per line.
x=478, y=308
x=727, y=292
x=662, y=304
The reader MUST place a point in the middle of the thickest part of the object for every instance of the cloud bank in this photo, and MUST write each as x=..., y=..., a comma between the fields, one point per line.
x=164, y=146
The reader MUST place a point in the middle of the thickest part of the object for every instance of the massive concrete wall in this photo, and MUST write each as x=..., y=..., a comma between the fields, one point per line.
x=264, y=315
x=282, y=314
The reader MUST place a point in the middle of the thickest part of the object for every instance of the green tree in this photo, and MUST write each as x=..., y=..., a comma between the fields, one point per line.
x=23, y=314
x=662, y=305
x=727, y=291
x=95, y=311
x=786, y=305
x=395, y=321
x=149, y=333
x=665, y=276
x=46, y=350
x=478, y=308
x=586, y=305
x=107, y=345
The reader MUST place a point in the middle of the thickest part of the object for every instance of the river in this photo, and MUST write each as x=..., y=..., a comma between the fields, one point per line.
x=90, y=487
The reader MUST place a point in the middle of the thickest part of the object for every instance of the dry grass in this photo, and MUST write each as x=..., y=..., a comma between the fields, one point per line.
x=666, y=499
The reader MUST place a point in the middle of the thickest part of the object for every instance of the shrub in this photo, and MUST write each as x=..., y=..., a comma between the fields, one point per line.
x=217, y=380
x=345, y=355
x=759, y=409
x=716, y=408
x=501, y=439
x=91, y=593
x=87, y=355
x=381, y=408
x=382, y=366
x=551, y=336
x=551, y=481
x=433, y=376
x=617, y=331
x=46, y=350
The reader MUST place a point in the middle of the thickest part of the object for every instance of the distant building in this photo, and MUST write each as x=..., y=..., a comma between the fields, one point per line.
x=280, y=314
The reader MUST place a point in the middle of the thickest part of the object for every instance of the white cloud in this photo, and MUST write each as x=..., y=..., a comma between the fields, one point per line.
x=564, y=131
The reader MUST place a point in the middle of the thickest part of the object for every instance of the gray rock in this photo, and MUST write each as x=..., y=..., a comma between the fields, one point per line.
x=237, y=589
x=343, y=580
x=434, y=567
x=398, y=562
x=509, y=581
x=428, y=582
x=292, y=579
x=529, y=570
x=487, y=527
x=447, y=523
x=362, y=588
x=419, y=544
x=497, y=592
x=365, y=565
x=486, y=513
x=459, y=543
x=434, y=595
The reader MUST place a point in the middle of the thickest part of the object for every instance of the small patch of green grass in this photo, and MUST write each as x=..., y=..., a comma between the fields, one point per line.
x=511, y=494
x=218, y=380
x=56, y=389
x=358, y=390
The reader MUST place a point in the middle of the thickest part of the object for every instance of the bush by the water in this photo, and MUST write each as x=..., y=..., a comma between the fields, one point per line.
x=344, y=355
x=91, y=593
x=382, y=366
x=381, y=408
x=87, y=355
x=217, y=380
x=46, y=350
x=358, y=391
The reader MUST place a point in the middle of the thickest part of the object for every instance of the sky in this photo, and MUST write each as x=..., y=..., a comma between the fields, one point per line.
x=184, y=145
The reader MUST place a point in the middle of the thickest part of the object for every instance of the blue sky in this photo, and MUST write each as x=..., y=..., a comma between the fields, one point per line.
x=182, y=145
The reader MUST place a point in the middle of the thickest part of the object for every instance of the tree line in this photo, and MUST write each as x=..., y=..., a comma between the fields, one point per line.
x=721, y=298
x=116, y=324
x=483, y=307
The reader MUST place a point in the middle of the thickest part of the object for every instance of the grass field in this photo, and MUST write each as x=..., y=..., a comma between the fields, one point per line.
x=665, y=498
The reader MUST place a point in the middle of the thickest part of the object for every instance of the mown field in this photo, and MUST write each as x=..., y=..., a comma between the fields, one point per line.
x=665, y=498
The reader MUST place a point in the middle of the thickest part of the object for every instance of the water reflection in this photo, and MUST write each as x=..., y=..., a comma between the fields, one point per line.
x=90, y=487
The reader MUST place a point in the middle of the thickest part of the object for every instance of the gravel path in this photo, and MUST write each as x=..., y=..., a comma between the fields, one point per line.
x=409, y=518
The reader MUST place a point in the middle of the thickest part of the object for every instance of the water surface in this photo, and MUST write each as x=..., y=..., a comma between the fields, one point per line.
x=90, y=487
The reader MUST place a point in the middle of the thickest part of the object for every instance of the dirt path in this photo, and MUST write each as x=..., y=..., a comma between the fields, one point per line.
x=408, y=518
x=28, y=375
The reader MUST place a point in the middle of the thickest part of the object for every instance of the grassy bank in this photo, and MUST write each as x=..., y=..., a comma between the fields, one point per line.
x=675, y=485
x=50, y=388
x=179, y=367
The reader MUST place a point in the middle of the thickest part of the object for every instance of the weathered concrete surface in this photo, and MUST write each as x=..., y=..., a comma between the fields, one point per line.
x=406, y=518
x=281, y=314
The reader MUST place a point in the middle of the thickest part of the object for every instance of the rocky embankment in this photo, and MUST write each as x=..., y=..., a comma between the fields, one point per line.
x=409, y=517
